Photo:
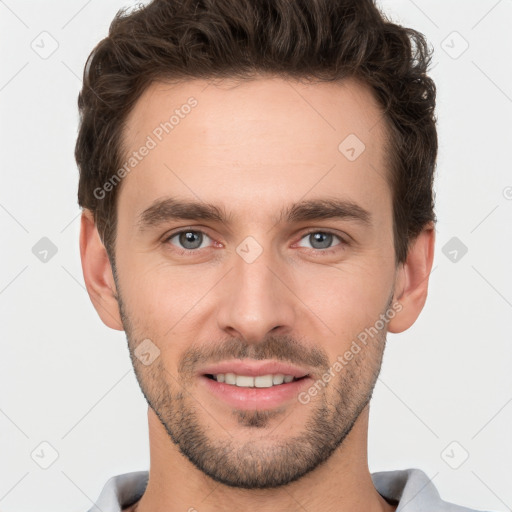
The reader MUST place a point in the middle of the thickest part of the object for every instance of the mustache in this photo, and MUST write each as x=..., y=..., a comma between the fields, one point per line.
x=281, y=348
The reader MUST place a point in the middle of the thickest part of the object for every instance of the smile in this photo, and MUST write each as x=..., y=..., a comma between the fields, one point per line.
x=248, y=381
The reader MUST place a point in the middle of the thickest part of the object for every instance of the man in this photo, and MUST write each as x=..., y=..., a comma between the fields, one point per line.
x=256, y=179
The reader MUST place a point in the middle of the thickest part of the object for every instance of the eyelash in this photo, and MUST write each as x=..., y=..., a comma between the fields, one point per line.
x=190, y=252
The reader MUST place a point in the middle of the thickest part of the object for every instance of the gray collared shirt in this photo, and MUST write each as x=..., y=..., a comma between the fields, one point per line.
x=411, y=488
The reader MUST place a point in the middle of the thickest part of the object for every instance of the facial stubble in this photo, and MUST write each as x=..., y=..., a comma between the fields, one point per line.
x=261, y=462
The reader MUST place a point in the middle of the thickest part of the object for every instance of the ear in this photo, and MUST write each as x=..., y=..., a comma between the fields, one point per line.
x=97, y=271
x=411, y=282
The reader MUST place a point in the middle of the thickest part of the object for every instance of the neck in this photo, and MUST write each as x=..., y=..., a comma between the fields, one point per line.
x=342, y=484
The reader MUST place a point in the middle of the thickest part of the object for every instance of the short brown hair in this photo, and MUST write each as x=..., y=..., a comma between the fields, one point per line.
x=324, y=40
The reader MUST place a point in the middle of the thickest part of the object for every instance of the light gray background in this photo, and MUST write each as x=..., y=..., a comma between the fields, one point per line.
x=66, y=379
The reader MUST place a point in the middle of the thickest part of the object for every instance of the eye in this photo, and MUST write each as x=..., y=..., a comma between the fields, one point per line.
x=189, y=239
x=321, y=240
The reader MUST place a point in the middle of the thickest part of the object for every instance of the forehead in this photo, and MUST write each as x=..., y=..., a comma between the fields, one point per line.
x=249, y=143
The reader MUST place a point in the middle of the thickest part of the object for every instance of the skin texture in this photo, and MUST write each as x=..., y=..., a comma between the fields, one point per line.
x=253, y=148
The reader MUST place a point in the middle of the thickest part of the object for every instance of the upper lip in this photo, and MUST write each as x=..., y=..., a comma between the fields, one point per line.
x=252, y=368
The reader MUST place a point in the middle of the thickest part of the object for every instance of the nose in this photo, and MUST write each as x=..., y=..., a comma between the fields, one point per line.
x=257, y=299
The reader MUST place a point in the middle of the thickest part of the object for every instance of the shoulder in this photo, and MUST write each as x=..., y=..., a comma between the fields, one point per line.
x=121, y=492
x=412, y=487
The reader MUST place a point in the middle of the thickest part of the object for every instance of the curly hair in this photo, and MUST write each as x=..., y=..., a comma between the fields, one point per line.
x=323, y=40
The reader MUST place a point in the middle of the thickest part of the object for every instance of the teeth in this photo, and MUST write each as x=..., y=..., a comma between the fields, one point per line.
x=261, y=381
x=278, y=379
x=244, y=382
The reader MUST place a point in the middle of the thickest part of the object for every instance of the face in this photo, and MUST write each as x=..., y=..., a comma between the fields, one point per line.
x=255, y=269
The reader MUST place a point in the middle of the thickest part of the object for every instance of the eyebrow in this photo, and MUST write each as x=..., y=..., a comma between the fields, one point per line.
x=169, y=208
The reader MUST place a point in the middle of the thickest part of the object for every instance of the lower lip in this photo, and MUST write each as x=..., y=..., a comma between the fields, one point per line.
x=255, y=398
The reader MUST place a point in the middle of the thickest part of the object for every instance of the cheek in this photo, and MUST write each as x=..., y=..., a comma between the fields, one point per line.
x=347, y=298
x=161, y=299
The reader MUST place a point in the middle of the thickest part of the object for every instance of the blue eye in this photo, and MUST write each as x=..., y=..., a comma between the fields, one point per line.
x=189, y=239
x=321, y=240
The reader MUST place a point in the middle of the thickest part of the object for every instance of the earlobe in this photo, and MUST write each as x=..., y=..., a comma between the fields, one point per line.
x=411, y=283
x=97, y=272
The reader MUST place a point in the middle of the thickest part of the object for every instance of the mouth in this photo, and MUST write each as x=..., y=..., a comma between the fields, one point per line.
x=260, y=381
x=254, y=385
